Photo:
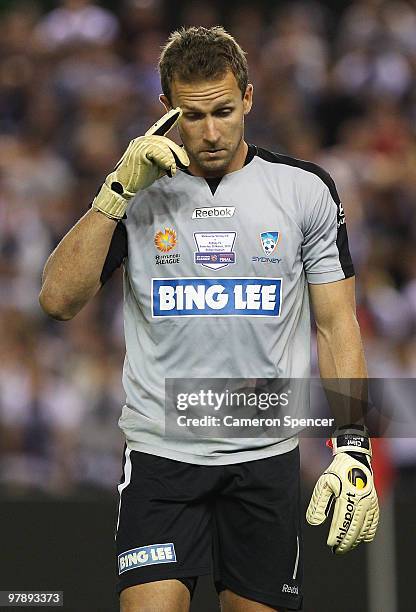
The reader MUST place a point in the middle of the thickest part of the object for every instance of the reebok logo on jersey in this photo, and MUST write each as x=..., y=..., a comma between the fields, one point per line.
x=214, y=211
x=146, y=555
x=220, y=297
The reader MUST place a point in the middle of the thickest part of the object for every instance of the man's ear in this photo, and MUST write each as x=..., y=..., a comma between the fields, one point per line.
x=248, y=99
x=165, y=101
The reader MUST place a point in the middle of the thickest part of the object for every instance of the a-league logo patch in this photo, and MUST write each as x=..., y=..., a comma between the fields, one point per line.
x=146, y=555
x=165, y=240
x=269, y=241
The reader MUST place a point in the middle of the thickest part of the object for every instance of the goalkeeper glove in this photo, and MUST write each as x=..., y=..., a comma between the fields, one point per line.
x=348, y=481
x=146, y=159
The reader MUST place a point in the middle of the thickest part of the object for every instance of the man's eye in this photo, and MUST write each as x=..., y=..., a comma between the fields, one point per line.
x=223, y=112
x=192, y=116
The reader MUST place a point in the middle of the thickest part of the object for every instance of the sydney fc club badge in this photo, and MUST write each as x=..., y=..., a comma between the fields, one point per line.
x=269, y=242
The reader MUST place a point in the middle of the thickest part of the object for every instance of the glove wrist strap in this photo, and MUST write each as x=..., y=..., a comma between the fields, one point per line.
x=110, y=203
x=351, y=438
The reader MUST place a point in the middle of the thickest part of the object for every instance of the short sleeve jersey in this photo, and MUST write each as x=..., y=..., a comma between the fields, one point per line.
x=216, y=275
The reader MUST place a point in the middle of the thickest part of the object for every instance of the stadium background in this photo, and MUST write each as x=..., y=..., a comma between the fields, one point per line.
x=334, y=83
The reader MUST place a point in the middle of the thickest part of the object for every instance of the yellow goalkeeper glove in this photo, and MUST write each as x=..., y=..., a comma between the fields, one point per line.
x=349, y=482
x=146, y=159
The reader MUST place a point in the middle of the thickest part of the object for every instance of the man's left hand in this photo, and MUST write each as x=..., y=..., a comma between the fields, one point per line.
x=348, y=482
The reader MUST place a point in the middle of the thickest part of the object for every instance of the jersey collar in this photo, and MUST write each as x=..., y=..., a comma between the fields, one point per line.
x=214, y=182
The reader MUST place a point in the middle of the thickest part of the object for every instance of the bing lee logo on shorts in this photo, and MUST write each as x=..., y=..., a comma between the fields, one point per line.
x=165, y=240
x=146, y=555
x=269, y=241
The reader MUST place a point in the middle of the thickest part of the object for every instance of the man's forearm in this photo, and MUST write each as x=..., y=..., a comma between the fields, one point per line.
x=71, y=276
x=343, y=369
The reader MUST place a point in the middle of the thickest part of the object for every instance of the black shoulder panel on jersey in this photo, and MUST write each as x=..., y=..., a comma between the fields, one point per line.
x=116, y=252
x=342, y=237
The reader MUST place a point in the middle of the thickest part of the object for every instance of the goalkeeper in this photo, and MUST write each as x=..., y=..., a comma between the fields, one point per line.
x=193, y=226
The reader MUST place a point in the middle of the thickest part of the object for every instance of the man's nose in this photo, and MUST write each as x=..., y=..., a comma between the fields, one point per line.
x=211, y=133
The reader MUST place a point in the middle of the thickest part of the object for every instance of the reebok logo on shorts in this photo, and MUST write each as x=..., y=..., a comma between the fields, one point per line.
x=290, y=589
x=146, y=555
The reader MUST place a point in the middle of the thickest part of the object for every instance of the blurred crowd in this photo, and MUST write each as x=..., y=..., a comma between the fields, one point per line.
x=333, y=86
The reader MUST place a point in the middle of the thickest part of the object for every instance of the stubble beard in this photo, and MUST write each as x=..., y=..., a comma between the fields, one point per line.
x=216, y=167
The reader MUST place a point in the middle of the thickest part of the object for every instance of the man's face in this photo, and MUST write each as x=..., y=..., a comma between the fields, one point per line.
x=212, y=124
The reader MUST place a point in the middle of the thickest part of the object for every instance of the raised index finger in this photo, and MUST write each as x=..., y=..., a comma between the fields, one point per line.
x=165, y=123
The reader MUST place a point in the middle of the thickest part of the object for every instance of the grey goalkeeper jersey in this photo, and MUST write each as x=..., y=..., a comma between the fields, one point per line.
x=216, y=277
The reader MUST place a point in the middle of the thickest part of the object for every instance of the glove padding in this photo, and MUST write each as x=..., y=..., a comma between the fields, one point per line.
x=349, y=481
x=145, y=160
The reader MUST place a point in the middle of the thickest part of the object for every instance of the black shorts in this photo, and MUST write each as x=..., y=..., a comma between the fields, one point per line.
x=239, y=522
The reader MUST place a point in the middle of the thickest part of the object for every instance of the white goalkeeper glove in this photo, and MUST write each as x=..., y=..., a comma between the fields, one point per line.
x=349, y=481
x=146, y=159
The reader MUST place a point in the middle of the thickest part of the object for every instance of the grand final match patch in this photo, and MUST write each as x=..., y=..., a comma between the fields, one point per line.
x=146, y=555
x=215, y=249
